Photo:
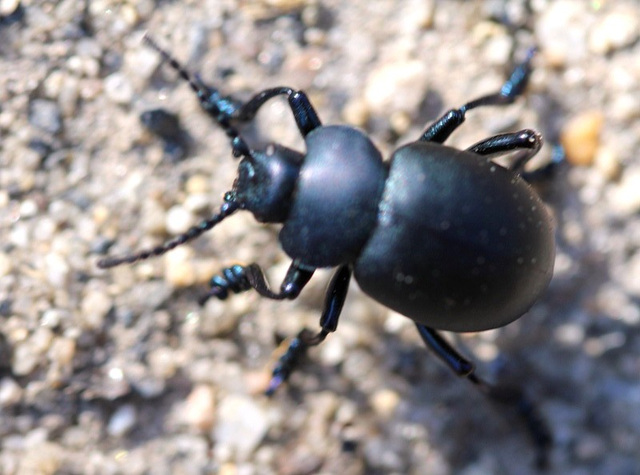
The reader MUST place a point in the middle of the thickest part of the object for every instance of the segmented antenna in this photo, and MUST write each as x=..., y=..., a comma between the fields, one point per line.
x=203, y=92
x=227, y=209
x=221, y=109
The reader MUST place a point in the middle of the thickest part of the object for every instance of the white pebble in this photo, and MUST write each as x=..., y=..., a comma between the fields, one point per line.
x=122, y=421
x=6, y=264
x=7, y=7
x=178, y=220
x=242, y=424
x=10, y=392
x=199, y=409
x=94, y=308
x=616, y=30
x=398, y=85
x=57, y=269
x=25, y=359
x=118, y=88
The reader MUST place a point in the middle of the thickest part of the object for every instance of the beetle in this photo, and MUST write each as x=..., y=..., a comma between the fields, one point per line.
x=446, y=237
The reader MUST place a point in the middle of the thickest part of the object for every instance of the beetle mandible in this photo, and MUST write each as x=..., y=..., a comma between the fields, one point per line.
x=446, y=237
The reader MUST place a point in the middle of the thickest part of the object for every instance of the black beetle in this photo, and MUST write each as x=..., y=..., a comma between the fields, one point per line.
x=444, y=236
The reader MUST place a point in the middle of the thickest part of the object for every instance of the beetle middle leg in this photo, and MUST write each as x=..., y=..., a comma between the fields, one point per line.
x=334, y=301
x=510, y=396
x=442, y=128
x=239, y=279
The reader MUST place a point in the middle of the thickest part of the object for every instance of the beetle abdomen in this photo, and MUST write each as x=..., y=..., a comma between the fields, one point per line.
x=461, y=244
x=335, y=203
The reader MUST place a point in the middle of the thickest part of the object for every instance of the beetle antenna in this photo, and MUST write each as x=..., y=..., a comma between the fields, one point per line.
x=227, y=209
x=218, y=107
x=203, y=92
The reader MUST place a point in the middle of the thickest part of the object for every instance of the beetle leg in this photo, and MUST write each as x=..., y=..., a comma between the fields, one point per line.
x=232, y=279
x=226, y=109
x=527, y=142
x=303, y=112
x=334, y=301
x=441, y=129
x=509, y=396
x=239, y=279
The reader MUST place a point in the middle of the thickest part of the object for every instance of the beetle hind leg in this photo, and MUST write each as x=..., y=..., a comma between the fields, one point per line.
x=526, y=143
x=512, y=397
x=442, y=128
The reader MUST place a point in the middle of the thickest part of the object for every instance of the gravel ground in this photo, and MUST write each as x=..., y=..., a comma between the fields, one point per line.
x=120, y=371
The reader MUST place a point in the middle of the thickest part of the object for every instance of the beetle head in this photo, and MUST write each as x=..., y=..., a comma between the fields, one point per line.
x=266, y=181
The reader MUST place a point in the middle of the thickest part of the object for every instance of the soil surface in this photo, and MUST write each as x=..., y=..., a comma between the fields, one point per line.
x=121, y=371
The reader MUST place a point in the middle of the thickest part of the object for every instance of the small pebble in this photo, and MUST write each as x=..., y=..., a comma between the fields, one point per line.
x=624, y=198
x=384, y=457
x=200, y=407
x=197, y=184
x=384, y=402
x=41, y=458
x=219, y=318
x=94, y=308
x=154, y=218
x=616, y=30
x=122, y=420
x=197, y=202
x=179, y=220
x=179, y=270
x=607, y=163
x=6, y=264
x=162, y=361
x=45, y=115
x=396, y=86
x=62, y=351
x=242, y=424
x=25, y=359
x=10, y=392
x=285, y=4
x=7, y=7
x=561, y=45
x=580, y=137
x=356, y=112
x=118, y=88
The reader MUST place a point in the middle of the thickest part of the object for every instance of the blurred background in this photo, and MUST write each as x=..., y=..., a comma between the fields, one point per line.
x=104, y=150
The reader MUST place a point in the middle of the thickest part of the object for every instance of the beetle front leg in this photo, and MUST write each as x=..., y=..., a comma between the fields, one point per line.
x=237, y=279
x=509, y=396
x=334, y=301
x=303, y=112
x=441, y=129
x=226, y=110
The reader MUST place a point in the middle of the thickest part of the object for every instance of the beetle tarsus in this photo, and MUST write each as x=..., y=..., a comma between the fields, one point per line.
x=334, y=301
x=232, y=279
x=288, y=362
x=238, y=278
